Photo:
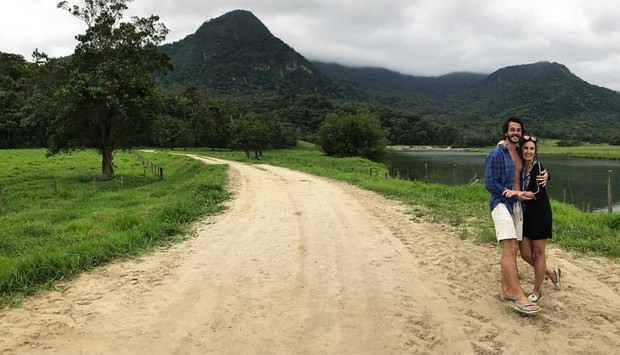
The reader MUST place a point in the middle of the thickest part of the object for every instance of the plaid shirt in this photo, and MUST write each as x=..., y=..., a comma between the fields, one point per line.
x=499, y=176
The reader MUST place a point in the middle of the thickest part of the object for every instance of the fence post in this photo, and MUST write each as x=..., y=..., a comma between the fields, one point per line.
x=563, y=195
x=145, y=174
x=161, y=173
x=454, y=174
x=94, y=183
x=426, y=172
x=609, y=195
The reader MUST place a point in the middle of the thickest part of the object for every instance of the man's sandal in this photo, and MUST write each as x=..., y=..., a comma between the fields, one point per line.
x=521, y=309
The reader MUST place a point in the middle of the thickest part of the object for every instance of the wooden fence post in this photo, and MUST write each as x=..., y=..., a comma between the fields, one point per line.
x=609, y=194
x=161, y=173
x=454, y=174
x=563, y=195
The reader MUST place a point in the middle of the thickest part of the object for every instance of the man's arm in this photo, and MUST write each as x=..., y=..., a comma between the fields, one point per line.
x=492, y=170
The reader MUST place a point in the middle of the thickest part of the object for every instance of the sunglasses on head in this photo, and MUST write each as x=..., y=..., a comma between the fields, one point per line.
x=529, y=138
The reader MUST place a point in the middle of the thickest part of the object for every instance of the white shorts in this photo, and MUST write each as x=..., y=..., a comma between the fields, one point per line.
x=508, y=226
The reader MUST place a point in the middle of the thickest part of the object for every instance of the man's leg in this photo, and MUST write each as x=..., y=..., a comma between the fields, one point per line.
x=510, y=274
x=508, y=265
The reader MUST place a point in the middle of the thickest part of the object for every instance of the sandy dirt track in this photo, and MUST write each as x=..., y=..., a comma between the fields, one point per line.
x=304, y=265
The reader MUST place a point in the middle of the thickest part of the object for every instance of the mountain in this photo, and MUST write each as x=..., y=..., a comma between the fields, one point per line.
x=435, y=87
x=237, y=54
x=554, y=102
x=236, y=58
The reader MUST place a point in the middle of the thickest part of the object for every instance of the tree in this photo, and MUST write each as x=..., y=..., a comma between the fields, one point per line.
x=13, y=70
x=357, y=134
x=250, y=132
x=109, y=99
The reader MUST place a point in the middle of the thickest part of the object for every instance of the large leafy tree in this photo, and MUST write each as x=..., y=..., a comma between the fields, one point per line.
x=357, y=134
x=13, y=71
x=109, y=99
x=250, y=132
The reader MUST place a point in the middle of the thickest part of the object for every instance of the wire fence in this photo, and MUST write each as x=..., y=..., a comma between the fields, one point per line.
x=589, y=188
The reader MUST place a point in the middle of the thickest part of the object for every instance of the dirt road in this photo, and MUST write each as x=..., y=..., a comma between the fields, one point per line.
x=304, y=265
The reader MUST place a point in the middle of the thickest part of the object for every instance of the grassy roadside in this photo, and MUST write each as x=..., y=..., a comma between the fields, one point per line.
x=57, y=219
x=463, y=207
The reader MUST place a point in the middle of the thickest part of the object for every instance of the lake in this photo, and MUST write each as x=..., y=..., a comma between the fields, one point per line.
x=582, y=182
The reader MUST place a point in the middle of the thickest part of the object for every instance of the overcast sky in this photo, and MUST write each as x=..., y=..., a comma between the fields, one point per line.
x=418, y=37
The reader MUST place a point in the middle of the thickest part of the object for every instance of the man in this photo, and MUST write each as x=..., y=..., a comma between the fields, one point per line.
x=503, y=178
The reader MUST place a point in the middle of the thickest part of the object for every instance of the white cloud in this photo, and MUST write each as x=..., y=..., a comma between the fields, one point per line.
x=422, y=37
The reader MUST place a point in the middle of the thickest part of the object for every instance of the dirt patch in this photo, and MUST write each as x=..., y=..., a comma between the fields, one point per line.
x=302, y=264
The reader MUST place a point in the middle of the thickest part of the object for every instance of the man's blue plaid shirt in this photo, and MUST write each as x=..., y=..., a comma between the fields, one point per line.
x=499, y=176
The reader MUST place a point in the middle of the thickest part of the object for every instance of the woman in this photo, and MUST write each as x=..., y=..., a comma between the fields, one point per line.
x=537, y=219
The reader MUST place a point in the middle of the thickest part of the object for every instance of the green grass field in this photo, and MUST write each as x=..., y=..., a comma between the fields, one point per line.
x=57, y=219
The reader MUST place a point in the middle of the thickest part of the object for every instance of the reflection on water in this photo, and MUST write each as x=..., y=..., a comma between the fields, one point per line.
x=582, y=182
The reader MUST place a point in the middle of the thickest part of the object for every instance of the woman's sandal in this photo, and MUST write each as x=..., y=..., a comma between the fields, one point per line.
x=557, y=283
x=535, y=297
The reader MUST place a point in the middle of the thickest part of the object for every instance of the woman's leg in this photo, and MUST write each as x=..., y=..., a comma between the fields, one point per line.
x=528, y=255
x=525, y=249
x=540, y=264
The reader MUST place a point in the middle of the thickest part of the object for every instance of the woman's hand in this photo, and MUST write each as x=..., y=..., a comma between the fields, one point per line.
x=542, y=178
x=526, y=195
x=521, y=195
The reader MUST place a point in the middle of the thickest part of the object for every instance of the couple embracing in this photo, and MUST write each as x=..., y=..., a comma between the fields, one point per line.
x=521, y=213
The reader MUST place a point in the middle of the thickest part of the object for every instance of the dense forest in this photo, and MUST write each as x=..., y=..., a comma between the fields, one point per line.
x=232, y=84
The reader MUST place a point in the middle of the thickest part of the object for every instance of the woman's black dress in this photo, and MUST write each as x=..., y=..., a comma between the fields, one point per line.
x=537, y=218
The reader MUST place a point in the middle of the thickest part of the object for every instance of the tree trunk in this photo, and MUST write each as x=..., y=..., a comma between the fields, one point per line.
x=107, y=168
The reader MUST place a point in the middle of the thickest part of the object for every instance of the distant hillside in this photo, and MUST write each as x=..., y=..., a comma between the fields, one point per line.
x=554, y=101
x=435, y=87
x=236, y=54
x=236, y=62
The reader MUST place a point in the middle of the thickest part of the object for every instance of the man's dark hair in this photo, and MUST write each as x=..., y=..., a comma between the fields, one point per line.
x=513, y=119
